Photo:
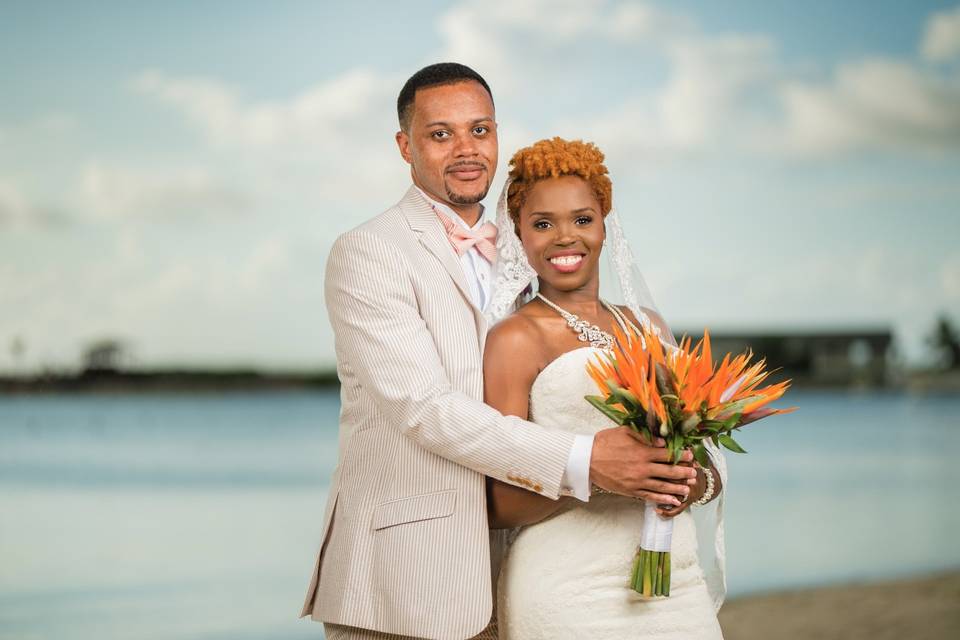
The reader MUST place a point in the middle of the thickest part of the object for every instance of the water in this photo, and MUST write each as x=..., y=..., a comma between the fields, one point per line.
x=198, y=516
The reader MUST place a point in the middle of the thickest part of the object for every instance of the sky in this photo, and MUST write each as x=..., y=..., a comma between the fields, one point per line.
x=173, y=174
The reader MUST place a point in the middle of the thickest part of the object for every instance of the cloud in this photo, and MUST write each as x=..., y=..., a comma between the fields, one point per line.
x=327, y=110
x=703, y=105
x=873, y=104
x=17, y=210
x=511, y=42
x=950, y=278
x=941, y=40
x=322, y=144
x=726, y=92
x=113, y=191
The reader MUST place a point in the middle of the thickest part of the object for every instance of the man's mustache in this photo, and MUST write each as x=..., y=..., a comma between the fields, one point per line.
x=473, y=165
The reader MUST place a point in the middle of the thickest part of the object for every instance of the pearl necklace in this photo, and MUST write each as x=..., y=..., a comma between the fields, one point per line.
x=591, y=333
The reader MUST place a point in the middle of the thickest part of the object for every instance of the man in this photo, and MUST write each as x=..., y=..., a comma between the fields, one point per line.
x=405, y=547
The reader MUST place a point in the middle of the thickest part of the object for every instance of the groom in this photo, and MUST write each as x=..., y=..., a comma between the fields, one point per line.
x=405, y=548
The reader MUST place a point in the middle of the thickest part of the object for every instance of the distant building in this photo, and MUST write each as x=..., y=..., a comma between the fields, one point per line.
x=104, y=355
x=829, y=358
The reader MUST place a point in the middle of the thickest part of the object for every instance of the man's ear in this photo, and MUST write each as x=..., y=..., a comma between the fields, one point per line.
x=403, y=143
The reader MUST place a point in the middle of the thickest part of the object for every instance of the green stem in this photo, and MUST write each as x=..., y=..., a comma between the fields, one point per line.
x=660, y=583
x=648, y=574
x=666, y=573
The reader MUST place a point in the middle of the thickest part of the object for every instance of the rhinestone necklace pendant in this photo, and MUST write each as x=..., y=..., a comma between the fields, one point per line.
x=597, y=337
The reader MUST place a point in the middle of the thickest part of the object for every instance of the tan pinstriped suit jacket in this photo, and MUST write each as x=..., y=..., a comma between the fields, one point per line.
x=405, y=546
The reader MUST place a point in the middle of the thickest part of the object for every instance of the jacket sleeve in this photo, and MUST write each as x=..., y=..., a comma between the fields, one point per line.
x=379, y=331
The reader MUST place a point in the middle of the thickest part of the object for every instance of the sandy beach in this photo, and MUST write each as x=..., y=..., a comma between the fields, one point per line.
x=919, y=609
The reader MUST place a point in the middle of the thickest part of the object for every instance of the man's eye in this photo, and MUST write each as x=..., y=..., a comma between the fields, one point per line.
x=440, y=135
x=479, y=131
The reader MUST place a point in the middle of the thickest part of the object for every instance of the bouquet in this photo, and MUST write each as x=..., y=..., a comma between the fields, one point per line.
x=683, y=398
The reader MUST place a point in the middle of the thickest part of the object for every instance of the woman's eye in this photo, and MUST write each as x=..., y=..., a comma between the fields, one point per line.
x=584, y=220
x=541, y=224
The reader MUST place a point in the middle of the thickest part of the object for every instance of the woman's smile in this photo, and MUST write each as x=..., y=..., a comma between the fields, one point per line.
x=566, y=262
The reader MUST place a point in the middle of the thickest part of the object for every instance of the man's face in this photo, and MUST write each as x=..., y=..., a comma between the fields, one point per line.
x=451, y=144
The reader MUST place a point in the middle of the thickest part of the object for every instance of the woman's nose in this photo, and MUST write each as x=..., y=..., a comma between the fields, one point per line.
x=565, y=235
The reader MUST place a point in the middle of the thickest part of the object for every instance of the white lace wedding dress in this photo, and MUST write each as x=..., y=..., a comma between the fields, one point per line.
x=567, y=577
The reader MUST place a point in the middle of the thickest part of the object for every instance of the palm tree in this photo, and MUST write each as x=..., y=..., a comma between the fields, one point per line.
x=946, y=342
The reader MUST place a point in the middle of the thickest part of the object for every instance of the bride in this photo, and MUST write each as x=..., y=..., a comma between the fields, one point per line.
x=566, y=573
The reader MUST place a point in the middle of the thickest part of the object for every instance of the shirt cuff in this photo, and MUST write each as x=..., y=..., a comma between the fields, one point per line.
x=576, y=477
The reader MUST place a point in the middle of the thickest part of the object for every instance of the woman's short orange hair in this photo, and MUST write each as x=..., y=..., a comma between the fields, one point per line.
x=554, y=158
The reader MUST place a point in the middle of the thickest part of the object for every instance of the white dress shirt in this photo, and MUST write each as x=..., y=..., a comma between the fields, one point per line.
x=479, y=276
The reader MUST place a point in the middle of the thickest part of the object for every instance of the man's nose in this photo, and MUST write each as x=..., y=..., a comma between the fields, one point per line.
x=466, y=145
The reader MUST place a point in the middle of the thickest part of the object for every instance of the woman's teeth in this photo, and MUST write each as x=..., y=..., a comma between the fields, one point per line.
x=566, y=260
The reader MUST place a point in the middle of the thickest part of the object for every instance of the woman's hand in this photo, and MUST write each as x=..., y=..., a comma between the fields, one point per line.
x=696, y=492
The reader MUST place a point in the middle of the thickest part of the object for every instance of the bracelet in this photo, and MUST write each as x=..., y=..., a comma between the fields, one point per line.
x=711, y=485
x=598, y=491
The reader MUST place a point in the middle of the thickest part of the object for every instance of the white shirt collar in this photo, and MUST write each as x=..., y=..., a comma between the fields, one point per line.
x=453, y=215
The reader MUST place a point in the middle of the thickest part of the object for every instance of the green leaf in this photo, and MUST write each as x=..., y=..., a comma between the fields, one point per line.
x=701, y=455
x=675, y=445
x=736, y=407
x=626, y=398
x=713, y=426
x=689, y=424
x=731, y=444
x=614, y=414
x=731, y=422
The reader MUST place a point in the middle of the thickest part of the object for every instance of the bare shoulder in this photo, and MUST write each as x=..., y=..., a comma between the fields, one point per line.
x=515, y=336
x=511, y=362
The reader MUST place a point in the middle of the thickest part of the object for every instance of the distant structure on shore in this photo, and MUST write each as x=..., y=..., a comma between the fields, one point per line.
x=851, y=358
x=863, y=358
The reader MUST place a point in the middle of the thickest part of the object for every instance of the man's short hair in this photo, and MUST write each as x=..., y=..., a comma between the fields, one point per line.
x=435, y=75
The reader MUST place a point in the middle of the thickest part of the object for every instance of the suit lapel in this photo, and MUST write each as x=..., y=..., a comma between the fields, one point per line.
x=423, y=219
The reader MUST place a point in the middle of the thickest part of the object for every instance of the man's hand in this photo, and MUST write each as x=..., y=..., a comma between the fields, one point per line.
x=622, y=462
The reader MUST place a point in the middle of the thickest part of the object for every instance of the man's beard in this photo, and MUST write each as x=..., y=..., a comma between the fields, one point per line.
x=459, y=198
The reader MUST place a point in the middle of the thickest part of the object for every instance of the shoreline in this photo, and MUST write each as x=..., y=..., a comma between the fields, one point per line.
x=919, y=608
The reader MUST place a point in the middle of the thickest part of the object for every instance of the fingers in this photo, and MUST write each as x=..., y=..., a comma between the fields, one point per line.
x=658, y=498
x=671, y=488
x=645, y=438
x=672, y=512
x=663, y=455
x=671, y=472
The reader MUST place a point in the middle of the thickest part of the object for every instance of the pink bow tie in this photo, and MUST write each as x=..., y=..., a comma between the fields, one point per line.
x=461, y=238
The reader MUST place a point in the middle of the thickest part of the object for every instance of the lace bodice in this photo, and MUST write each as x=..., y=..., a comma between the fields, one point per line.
x=557, y=395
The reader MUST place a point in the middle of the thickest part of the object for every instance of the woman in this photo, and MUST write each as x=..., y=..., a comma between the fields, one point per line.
x=566, y=572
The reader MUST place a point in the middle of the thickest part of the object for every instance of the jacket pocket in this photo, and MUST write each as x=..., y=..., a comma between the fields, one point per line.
x=425, y=506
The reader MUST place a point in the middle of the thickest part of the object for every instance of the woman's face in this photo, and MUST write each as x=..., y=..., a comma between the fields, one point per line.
x=562, y=232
